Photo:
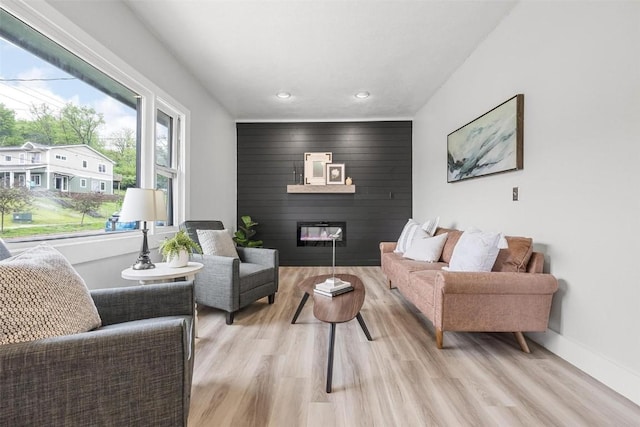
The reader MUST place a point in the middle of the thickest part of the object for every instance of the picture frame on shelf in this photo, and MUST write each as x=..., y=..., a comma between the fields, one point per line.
x=489, y=144
x=335, y=173
x=315, y=168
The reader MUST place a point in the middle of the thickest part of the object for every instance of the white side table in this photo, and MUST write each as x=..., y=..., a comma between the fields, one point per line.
x=164, y=273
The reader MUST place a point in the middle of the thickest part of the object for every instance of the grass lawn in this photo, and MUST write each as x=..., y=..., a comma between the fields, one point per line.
x=48, y=217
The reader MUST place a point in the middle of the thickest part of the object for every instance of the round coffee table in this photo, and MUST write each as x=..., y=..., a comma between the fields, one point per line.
x=338, y=309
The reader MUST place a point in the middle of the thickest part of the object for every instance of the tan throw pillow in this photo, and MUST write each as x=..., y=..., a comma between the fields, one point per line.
x=42, y=296
x=217, y=242
x=516, y=257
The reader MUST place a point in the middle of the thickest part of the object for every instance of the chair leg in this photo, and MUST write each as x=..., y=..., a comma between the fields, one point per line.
x=439, y=338
x=272, y=298
x=230, y=317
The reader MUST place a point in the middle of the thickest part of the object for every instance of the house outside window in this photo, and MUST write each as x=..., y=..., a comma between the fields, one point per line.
x=83, y=183
x=84, y=164
x=36, y=181
x=7, y=158
x=103, y=186
x=102, y=168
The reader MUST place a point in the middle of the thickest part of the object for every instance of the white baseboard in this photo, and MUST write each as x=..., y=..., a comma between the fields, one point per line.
x=619, y=378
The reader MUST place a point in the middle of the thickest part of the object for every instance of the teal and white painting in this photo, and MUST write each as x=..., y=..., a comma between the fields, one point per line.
x=490, y=144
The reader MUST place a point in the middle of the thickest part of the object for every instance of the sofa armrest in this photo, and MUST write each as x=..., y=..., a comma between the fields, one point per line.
x=262, y=256
x=118, y=305
x=122, y=376
x=387, y=247
x=215, y=282
x=460, y=282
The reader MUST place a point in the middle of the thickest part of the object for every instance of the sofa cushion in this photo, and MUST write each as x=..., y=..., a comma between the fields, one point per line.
x=399, y=269
x=475, y=251
x=217, y=242
x=412, y=230
x=516, y=257
x=452, y=238
x=42, y=296
x=427, y=249
x=254, y=275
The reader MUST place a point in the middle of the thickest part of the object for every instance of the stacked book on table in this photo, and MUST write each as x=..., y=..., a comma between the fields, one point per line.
x=330, y=289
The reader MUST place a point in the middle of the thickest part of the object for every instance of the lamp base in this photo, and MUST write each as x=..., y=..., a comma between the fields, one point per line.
x=143, y=263
x=333, y=282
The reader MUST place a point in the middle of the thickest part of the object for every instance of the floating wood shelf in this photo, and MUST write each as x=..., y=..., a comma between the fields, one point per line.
x=313, y=189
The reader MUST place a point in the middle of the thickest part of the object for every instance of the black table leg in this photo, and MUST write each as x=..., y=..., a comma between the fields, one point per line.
x=363, y=326
x=332, y=340
x=302, y=302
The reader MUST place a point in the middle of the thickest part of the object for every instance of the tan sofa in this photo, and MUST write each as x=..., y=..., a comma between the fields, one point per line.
x=514, y=297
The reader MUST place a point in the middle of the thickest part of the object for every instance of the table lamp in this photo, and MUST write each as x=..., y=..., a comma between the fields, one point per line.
x=143, y=204
x=333, y=280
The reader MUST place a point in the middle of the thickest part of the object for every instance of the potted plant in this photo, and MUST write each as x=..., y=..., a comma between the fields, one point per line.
x=243, y=236
x=175, y=250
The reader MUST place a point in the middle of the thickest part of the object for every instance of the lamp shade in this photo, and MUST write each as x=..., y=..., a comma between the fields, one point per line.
x=143, y=204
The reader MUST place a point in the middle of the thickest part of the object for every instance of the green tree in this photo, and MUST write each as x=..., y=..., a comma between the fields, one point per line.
x=45, y=127
x=12, y=199
x=80, y=125
x=86, y=203
x=122, y=150
x=8, y=130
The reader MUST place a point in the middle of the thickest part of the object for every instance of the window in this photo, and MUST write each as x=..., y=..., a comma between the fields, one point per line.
x=120, y=140
x=21, y=158
x=35, y=158
x=168, y=131
x=35, y=180
x=7, y=158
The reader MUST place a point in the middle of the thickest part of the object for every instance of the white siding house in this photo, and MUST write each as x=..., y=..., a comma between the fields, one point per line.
x=66, y=168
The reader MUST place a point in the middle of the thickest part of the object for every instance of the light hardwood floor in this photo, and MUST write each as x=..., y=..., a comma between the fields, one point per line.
x=264, y=371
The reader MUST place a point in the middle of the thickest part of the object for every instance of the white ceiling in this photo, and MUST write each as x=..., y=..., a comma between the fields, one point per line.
x=321, y=51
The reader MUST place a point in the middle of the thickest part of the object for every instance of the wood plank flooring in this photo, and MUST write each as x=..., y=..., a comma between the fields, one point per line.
x=264, y=371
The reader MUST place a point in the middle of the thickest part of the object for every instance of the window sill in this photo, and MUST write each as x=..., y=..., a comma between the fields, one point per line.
x=79, y=250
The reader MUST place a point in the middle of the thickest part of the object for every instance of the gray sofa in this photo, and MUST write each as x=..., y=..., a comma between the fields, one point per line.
x=135, y=370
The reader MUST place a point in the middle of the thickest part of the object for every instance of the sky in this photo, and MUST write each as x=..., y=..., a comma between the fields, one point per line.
x=17, y=63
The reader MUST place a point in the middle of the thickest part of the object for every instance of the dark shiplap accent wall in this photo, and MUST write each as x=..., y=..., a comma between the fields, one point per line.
x=377, y=156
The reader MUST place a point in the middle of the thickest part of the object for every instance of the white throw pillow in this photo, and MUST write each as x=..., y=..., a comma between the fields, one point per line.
x=217, y=242
x=428, y=249
x=410, y=232
x=42, y=296
x=475, y=251
x=431, y=225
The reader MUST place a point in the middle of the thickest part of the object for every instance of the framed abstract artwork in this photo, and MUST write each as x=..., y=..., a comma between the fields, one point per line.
x=492, y=143
x=315, y=168
x=335, y=173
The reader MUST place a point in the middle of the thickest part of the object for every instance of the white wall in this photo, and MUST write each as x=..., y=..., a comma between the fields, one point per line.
x=111, y=30
x=578, y=65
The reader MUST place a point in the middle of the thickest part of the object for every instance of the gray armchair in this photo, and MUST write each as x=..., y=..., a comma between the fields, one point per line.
x=136, y=369
x=229, y=283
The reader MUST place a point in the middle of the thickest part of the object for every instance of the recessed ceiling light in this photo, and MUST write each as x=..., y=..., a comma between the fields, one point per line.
x=362, y=95
x=283, y=95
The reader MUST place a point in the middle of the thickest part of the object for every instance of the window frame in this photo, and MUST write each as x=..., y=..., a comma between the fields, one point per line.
x=48, y=21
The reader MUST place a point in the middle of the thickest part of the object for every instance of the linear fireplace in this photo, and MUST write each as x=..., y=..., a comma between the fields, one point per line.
x=317, y=233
